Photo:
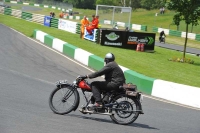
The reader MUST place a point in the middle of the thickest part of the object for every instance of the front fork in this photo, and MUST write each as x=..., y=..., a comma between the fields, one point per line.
x=67, y=95
x=87, y=99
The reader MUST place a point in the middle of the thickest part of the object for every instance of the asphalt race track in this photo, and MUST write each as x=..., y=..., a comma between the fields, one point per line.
x=28, y=71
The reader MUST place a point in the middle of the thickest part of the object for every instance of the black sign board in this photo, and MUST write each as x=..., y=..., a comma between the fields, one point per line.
x=126, y=39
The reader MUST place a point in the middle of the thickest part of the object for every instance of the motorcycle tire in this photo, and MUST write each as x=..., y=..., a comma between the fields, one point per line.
x=63, y=100
x=125, y=112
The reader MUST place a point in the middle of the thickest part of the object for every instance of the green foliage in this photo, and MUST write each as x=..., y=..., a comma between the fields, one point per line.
x=152, y=4
x=188, y=10
x=104, y=2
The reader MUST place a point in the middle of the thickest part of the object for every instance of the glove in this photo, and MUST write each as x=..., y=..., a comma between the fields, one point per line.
x=83, y=77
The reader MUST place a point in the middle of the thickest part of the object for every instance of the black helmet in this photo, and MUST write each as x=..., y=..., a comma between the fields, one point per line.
x=109, y=57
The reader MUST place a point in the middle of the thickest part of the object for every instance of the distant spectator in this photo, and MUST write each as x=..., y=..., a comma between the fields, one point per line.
x=84, y=23
x=93, y=25
x=53, y=14
x=50, y=14
x=61, y=14
x=162, y=10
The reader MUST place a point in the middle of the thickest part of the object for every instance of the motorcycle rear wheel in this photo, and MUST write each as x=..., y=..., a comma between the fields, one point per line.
x=125, y=112
x=63, y=100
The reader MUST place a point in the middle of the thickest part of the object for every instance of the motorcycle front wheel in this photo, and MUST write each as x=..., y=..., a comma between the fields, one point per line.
x=63, y=100
x=125, y=111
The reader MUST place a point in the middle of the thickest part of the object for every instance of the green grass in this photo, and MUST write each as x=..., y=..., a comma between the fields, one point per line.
x=154, y=65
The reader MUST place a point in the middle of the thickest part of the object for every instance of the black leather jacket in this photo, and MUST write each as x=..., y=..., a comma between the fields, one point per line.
x=113, y=73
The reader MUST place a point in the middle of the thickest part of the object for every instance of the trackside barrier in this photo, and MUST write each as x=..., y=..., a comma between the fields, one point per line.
x=38, y=18
x=78, y=28
x=23, y=15
x=139, y=27
x=37, y=5
x=197, y=37
x=54, y=22
x=182, y=34
x=16, y=13
x=175, y=33
x=183, y=94
x=7, y=11
x=26, y=16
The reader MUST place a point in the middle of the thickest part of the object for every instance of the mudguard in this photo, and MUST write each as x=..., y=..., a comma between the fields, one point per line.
x=137, y=98
x=140, y=105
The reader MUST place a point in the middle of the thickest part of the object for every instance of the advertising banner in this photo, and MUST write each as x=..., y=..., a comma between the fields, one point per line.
x=67, y=25
x=126, y=39
x=47, y=21
x=91, y=37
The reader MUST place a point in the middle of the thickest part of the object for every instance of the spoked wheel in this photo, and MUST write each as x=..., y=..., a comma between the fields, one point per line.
x=125, y=111
x=63, y=100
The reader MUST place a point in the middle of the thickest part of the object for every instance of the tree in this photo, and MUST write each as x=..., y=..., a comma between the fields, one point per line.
x=187, y=10
x=177, y=19
x=135, y=4
x=152, y=4
x=85, y=4
x=194, y=20
x=104, y=2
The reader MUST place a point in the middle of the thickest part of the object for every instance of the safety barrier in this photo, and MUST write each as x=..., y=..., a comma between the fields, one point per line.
x=23, y=15
x=139, y=27
x=175, y=33
x=197, y=37
x=38, y=5
x=38, y=18
x=7, y=11
x=16, y=13
x=27, y=16
x=54, y=22
x=78, y=28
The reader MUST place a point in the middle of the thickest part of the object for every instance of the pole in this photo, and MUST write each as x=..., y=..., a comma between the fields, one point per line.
x=129, y=18
x=96, y=9
x=113, y=15
x=155, y=18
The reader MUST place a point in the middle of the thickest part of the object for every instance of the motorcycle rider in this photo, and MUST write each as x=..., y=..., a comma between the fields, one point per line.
x=162, y=33
x=114, y=77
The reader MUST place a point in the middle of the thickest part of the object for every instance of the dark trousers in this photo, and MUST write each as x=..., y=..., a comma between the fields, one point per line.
x=99, y=86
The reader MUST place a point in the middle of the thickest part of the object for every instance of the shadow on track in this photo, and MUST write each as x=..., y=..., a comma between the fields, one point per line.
x=110, y=121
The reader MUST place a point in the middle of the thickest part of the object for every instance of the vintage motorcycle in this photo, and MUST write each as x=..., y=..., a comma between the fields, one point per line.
x=123, y=105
